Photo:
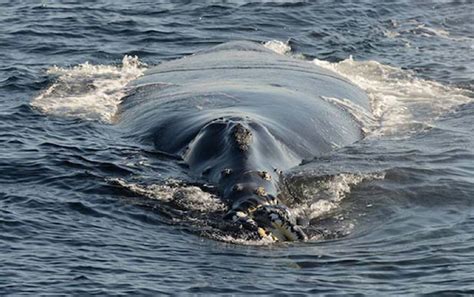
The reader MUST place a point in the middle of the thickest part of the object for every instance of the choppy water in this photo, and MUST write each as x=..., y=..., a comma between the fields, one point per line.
x=84, y=211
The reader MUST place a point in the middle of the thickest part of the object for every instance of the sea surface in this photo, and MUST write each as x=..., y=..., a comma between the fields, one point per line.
x=85, y=211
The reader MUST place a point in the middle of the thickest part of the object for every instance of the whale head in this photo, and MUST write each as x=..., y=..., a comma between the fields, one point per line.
x=242, y=158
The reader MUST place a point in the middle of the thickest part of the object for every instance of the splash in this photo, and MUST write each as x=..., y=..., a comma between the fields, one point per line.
x=319, y=196
x=86, y=91
x=363, y=117
x=190, y=198
x=400, y=102
x=278, y=47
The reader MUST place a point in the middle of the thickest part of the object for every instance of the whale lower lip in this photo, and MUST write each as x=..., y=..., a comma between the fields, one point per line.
x=278, y=233
x=275, y=222
x=282, y=233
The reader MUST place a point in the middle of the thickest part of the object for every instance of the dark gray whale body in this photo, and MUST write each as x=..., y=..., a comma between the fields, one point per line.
x=238, y=115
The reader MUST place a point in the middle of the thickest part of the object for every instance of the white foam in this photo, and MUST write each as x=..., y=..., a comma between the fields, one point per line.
x=413, y=27
x=363, y=117
x=390, y=34
x=322, y=199
x=278, y=46
x=190, y=197
x=87, y=91
x=401, y=102
x=426, y=31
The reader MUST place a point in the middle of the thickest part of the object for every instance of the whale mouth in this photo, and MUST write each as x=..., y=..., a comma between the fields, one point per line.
x=277, y=222
x=272, y=222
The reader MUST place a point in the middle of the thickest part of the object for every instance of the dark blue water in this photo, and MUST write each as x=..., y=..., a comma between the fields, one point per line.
x=85, y=211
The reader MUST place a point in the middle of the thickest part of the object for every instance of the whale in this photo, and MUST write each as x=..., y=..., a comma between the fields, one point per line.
x=239, y=116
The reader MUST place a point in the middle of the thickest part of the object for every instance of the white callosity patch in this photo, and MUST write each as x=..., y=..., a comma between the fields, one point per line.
x=86, y=91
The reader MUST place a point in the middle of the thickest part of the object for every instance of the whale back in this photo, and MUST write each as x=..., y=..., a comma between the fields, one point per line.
x=173, y=101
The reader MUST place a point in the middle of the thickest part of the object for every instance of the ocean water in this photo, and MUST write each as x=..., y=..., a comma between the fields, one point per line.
x=84, y=211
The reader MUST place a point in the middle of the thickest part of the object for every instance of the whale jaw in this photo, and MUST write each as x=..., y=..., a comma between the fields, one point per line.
x=273, y=222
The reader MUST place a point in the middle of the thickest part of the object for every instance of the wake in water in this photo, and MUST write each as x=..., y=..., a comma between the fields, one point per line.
x=401, y=104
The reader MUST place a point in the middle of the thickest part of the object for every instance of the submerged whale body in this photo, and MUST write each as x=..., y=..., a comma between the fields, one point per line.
x=238, y=115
